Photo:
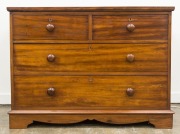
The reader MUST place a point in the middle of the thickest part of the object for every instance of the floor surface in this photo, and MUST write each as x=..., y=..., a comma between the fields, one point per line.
x=87, y=127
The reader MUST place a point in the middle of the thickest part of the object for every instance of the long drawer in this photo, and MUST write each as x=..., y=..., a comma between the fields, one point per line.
x=99, y=58
x=86, y=92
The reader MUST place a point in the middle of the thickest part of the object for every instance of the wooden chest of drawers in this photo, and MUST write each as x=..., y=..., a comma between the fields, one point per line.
x=110, y=64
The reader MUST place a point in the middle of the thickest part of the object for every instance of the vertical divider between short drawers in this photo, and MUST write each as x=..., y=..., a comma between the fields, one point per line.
x=90, y=26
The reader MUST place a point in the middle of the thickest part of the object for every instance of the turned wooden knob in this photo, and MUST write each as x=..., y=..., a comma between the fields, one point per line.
x=50, y=27
x=51, y=91
x=51, y=57
x=130, y=27
x=130, y=92
x=130, y=57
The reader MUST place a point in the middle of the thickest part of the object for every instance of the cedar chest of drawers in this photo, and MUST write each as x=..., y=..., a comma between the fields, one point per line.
x=110, y=64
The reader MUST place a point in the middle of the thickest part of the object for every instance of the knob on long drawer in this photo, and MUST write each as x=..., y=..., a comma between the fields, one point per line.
x=51, y=91
x=130, y=92
x=50, y=27
x=130, y=57
x=130, y=27
x=51, y=57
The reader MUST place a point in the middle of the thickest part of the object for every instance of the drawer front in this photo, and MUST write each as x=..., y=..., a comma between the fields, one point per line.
x=130, y=27
x=86, y=92
x=100, y=58
x=44, y=27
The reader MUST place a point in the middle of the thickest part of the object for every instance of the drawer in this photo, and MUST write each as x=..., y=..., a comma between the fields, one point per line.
x=86, y=92
x=130, y=27
x=44, y=27
x=79, y=58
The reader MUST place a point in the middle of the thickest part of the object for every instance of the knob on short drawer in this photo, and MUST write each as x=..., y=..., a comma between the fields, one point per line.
x=50, y=27
x=130, y=57
x=51, y=57
x=130, y=92
x=130, y=27
x=51, y=91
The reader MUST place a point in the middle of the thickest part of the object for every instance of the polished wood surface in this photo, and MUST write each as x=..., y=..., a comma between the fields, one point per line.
x=50, y=27
x=51, y=57
x=51, y=91
x=130, y=57
x=110, y=64
x=130, y=91
x=104, y=111
x=72, y=92
x=130, y=27
x=98, y=58
x=147, y=27
x=60, y=27
x=96, y=9
x=159, y=119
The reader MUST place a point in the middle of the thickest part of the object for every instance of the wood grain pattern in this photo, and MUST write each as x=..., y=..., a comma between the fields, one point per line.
x=169, y=59
x=66, y=27
x=12, y=60
x=159, y=120
x=93, y=91
x=148, y=27
x=90, y=41
x=97, y=112
x=83, y=63
x=101, y=58
x=96, y=9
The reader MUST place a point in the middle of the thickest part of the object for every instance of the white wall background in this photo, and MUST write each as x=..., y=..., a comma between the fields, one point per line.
x=5, y=45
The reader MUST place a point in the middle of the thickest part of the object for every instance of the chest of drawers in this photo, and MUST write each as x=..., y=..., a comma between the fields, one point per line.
x=110, y=64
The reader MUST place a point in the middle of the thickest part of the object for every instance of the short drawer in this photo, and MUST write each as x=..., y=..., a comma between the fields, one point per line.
x=44, y=27
x=40, y=58
x=130, y=27
x=86, y=92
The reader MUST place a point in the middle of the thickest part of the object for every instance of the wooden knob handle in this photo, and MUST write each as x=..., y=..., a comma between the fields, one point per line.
x=130, y=92
x=51, y=91
x=50, y=27
x=51, y=57
x=130, y=27
x=130, y=57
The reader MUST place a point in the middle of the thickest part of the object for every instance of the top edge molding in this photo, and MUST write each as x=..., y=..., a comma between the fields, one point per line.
x=90, y=9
